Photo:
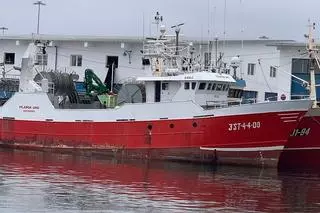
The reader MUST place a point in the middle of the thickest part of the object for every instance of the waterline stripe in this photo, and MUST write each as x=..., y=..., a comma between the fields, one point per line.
x=249, y=149
x=303, y=148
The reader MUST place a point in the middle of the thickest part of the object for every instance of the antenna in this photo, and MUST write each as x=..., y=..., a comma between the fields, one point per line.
x=3, y=30
x=158, y=18
x=224, y=24
x=177, y=30
x=209, y=55
x=242, y=27
x=39, y=3
x=214, y=38
x=241, y=32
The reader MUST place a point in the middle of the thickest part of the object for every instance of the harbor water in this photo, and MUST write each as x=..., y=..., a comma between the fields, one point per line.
x=45, y=182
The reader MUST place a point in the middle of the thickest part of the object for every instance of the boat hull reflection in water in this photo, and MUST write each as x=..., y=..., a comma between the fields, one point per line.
x=37, y=181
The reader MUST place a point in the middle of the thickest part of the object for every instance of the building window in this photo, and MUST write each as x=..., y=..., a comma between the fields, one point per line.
x=42, y=59
x=251, y=69
x=301, y=65
x=207, y=60
x=194, y=85
x=112, y=60
x=273, y=72
x=165, y=86
x=202, y=86
x=270, y=96
x=9, y=58
x=76, y=60
x=187, y=85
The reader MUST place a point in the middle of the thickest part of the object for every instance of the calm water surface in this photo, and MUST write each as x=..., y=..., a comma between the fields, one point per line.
x=43, y=182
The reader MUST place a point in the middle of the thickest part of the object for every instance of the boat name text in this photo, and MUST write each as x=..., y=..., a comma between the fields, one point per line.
x=28, y=108
x=300, y=132
x=244, y=126
x=188, y=77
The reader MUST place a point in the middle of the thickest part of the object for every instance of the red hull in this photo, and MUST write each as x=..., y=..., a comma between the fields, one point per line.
x=166, y=139
x=303, y=148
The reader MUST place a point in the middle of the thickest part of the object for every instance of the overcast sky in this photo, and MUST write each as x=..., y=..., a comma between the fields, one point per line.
x=276, y=19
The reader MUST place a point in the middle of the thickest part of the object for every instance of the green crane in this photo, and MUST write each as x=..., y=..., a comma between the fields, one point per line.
x=94, y=86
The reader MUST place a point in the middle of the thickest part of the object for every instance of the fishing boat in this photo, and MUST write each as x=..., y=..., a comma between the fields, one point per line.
x=303, y=147
x=185, y=115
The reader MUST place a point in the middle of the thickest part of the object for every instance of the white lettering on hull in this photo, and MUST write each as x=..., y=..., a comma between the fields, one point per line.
x=244, y=126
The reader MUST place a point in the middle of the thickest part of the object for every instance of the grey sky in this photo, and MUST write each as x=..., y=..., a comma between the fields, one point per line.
x=277, y=19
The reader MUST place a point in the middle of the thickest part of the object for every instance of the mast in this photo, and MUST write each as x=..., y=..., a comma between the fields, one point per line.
x=177, y=31
x=312, y=50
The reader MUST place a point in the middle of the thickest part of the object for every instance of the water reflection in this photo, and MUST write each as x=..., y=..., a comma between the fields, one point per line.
x=44, y=182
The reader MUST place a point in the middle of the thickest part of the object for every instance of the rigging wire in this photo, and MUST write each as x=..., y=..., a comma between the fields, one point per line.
x=264, y=77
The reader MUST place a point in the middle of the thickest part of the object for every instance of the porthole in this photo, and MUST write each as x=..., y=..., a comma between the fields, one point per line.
x=149, y=127
x=194, y=124
x=171, y=126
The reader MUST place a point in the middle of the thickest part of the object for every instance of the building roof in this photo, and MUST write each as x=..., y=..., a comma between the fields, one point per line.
x=288, y=44
x=132, y=39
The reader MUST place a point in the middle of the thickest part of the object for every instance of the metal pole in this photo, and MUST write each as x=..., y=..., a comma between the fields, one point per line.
x=216, y=50
x=177, y=30
x=56, y=59
x=39, y=3
x=177, y=41
x=112, y=68
x=312, y=49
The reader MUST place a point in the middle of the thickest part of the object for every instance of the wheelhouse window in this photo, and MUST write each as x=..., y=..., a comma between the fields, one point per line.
x=76, y=60
x=202, y=86
x=249, y=96
x=165, y=86
x=186, y=85
x=193, y=85
x=270, y=96
x=251, y=69
x=213, y=87
x=9, y=58
x=219, y=87
x=209, y=86
x=231, y=93
x=224, y=87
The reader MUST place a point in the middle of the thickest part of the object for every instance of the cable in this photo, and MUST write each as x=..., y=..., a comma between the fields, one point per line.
x=265, y=79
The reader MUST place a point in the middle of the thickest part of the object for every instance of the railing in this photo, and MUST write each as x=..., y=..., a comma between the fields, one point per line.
x=11, y=76
x=224, y=104
x=297, y=97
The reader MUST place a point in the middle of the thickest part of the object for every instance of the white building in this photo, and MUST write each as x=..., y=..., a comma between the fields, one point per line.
x=294, y=66
x=76, y=53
